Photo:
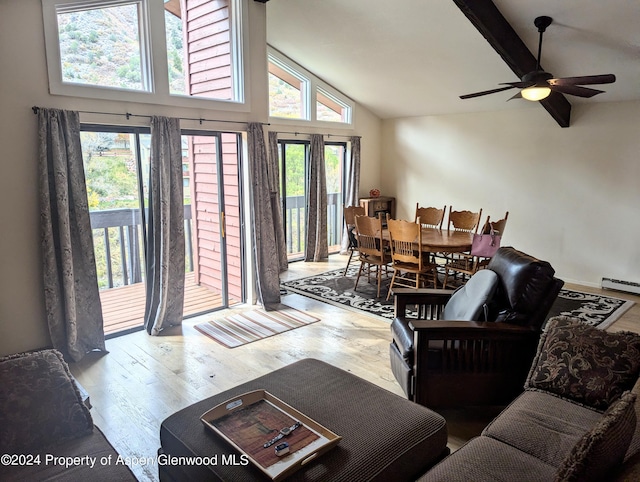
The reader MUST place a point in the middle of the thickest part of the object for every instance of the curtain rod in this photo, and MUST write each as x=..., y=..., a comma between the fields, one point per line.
x=308, y=134
x=128, y=115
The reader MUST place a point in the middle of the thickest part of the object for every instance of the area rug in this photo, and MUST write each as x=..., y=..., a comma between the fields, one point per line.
x=254, y=324
x=334, y=288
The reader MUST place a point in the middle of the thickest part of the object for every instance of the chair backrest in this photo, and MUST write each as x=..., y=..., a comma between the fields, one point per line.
x=405, y=238
x=369, y=235
x=498, y=226
x=526, y=290
x=470, y=301
x=350, y=213
x=464, y=220
x=430, y=217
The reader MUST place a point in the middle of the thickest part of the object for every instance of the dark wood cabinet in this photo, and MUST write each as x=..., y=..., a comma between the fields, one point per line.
x=382, y=204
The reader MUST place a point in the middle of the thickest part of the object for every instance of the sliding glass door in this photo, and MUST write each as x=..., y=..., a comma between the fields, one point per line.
x=293, y=157
x=335, y=155
x=294, y=164
x=213, y=180
x=116, y=164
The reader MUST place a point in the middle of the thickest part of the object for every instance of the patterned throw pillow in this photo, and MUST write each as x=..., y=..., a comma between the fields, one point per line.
x=603, y=448
x=39, y=403
x=584, y=364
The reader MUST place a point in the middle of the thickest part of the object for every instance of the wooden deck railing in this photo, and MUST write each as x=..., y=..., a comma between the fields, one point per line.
x=117, y=238
x=295, y=219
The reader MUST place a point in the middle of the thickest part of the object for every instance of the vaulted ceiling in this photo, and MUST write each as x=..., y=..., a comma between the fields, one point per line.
x=415, y=57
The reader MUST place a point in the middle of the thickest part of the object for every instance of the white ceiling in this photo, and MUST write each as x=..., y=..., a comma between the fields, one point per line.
x=404, y=58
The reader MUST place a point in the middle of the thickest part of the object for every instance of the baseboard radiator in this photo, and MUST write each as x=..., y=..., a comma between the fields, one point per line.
x=619, y=285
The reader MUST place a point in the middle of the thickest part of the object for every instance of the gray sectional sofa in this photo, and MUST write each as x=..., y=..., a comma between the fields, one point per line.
x=575, y=421
x=46, y=430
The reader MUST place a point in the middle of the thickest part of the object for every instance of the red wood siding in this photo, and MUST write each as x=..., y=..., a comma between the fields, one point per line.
x=209, y=74
x=208, y=49
x=207, y=245
x=232, y=213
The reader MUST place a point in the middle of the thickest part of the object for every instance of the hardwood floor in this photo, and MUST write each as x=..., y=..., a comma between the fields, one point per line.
x=144, y=379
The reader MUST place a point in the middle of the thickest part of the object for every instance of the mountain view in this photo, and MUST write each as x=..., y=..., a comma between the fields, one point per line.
x=102, y=47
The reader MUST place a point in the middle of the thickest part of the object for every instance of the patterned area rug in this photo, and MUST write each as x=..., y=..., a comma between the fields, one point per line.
x=254, y=324
x=332, y=287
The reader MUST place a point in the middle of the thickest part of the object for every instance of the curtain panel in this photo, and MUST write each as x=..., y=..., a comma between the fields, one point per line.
x=267, y=259
x=316, y=243
x=165, y=228
x=72, y=299
x=276, y=205
x=351, y=188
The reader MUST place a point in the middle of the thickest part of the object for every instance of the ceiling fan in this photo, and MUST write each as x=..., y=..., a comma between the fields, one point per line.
x=538, y=84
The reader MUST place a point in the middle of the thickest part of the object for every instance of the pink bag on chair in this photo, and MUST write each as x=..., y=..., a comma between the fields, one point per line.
x=485, y=245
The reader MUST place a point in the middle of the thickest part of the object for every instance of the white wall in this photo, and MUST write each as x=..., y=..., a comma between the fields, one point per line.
x=573, y=194
x=23, y=83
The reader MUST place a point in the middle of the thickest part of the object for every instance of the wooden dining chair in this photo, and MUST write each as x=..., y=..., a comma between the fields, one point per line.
x=467, y=264
x=405, y=241
x=349, y=213
x=430, y=217
x=371, y=249
x=464, y=220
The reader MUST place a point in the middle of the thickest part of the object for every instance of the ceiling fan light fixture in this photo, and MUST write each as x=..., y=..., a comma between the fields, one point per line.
x=537, y=92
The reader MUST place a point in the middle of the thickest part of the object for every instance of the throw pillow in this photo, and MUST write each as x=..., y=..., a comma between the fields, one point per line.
x=603, y=448
x=39, y=403
x=584, y=364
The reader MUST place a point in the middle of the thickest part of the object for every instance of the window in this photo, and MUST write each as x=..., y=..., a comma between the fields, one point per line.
x=102, y=46
x=204, y=68
x=288, y=92
x=297, y=94
x=103, y=49
x=328, y=108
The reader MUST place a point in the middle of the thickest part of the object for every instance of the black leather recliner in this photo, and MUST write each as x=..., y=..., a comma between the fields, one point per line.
x=448, y=363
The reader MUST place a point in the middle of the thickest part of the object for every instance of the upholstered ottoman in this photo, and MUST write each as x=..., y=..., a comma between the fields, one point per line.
x=384, y=436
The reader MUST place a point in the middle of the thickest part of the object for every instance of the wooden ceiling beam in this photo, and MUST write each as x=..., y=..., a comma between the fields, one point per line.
x=486, y=17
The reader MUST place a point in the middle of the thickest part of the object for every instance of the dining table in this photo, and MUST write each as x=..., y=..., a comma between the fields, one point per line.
x=436, y=240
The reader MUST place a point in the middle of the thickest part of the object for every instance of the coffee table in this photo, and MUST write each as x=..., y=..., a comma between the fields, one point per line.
x=384, y=436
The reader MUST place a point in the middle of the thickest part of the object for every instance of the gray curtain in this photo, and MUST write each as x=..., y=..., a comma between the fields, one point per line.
x=72, y=299
x=316, y=244
x=165, y=228
x=266, y=258
x=276, y=206
x=352, y=187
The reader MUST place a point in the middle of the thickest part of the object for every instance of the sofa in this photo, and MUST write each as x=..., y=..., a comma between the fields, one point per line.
x=575, y=421
x=46, y=430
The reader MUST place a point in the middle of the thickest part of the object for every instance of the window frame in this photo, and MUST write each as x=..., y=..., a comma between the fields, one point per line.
x=315, y=85
x=152, y=33
x=347, y=110
x=305, y=88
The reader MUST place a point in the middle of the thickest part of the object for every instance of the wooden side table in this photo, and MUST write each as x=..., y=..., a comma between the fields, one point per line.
x=381, y=204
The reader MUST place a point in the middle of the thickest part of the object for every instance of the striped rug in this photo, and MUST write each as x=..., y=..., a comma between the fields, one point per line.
x=252, y=325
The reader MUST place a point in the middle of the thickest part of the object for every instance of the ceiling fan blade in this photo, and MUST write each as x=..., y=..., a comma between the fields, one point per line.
x=584, y=80
x=516, y=96
x=576, y=90
x=486, y=92
x=519, y=84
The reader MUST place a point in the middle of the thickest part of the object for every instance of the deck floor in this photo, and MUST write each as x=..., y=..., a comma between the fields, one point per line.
x=123, y=307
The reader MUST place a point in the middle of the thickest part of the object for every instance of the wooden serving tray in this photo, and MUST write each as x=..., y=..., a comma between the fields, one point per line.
x=250, y=420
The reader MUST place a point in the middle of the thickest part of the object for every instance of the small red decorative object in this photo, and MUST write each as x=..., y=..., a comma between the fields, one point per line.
x=374, y=193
